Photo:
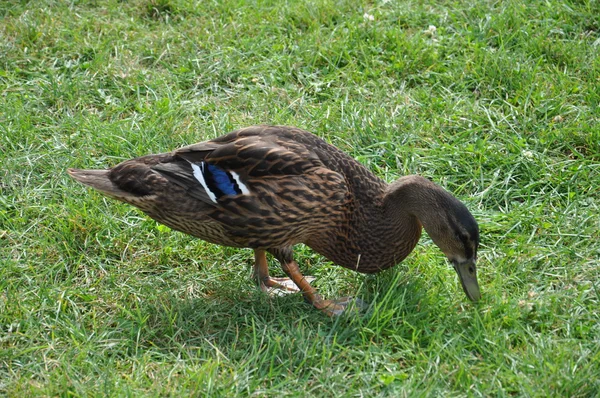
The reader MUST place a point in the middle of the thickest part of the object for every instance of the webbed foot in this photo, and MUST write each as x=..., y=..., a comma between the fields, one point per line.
x=339, y=306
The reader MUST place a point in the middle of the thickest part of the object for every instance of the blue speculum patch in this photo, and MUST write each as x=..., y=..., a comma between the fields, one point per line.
x=221, y=179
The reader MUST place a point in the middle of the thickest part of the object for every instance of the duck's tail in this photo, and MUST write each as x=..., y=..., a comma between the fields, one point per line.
x=98, y=179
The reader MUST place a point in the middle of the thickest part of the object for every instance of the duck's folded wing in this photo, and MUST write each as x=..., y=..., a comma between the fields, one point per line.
x=248, y=167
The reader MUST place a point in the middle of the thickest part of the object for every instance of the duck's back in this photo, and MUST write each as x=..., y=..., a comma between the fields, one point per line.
x=333, y=158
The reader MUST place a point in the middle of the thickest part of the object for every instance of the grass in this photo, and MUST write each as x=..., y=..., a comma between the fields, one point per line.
x=500, y=105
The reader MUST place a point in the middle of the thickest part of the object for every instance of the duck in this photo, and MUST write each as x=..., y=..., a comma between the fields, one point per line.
x=269, y=188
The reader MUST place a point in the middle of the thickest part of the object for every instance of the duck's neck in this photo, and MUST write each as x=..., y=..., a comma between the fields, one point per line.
x=382, y=230
x=414, y=196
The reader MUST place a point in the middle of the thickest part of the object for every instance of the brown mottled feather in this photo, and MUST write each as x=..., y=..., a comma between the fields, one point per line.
x=302, y=190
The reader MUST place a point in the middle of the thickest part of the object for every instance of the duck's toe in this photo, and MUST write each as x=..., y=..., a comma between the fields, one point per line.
x=281, y=286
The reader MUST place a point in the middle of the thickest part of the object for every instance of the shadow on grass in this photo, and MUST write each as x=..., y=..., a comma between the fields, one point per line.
x=235, y=321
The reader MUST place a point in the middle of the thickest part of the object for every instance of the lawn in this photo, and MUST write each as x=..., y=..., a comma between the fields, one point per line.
x=496, y=101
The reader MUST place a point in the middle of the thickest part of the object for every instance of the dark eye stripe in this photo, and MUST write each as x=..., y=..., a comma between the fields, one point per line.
x=468, y=248
x=464, y=238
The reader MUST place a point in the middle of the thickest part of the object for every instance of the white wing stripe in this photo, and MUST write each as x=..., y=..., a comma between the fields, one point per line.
x=199, y=174
x=240, y=184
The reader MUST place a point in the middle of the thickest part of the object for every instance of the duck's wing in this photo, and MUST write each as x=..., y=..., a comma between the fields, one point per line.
x=243, y=165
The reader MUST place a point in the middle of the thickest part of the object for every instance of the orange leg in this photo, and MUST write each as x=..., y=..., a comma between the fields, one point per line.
x=328, y=307
x=266, y=282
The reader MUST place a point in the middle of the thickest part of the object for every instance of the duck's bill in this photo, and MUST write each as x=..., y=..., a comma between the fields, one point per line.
x=467, y=273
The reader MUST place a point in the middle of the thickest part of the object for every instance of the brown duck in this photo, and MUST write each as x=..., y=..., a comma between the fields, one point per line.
x=271, y=187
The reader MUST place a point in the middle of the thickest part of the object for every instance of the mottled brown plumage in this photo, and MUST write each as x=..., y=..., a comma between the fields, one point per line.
x=271, y=187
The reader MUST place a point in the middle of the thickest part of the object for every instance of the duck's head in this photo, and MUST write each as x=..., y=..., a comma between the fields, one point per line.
x=460, y=247
x=454, y=230
x=447, y=221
